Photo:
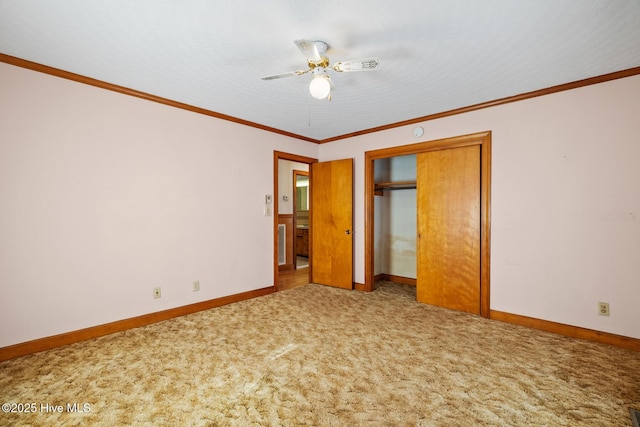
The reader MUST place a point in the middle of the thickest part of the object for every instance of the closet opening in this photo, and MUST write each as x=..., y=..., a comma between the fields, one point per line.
x=395, y=219
x=427, y=220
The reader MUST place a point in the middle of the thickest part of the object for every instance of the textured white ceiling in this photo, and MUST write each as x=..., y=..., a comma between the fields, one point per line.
x=436, y=55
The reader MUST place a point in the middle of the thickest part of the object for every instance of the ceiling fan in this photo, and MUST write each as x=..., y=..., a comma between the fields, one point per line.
x=321, y=85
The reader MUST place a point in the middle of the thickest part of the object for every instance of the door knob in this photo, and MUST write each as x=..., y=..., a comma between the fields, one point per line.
x=347, y=232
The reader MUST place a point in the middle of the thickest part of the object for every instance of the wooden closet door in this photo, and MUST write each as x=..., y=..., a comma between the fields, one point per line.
x=448, y=192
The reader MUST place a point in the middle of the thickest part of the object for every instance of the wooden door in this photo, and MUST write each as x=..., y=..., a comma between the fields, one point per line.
x=332, y=223
x=448, y=191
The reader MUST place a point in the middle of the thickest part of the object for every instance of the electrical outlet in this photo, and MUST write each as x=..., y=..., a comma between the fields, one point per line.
x=603, y=308
x=156, y=293
x=196, y=286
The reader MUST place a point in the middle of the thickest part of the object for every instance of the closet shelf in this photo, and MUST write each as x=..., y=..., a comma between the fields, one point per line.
x=398, y=185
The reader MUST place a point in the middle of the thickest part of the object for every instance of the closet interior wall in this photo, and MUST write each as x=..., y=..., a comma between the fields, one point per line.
x=395, y=219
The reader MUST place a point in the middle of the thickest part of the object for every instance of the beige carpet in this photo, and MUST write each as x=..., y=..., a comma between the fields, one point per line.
x=322, y=356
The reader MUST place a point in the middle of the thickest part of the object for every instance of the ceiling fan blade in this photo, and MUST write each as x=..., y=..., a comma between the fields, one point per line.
x=330, y=82
x=283, y=75
x=370, y=64
x=309, y=49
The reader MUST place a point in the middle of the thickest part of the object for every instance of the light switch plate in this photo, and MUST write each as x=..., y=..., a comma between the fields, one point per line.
x=268, y=199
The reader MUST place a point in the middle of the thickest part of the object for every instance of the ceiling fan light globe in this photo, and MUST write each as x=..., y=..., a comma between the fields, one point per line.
x=320, y=87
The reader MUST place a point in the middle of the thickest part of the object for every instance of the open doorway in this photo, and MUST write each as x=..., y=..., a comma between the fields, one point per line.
x=301, y=216
x=289, y=217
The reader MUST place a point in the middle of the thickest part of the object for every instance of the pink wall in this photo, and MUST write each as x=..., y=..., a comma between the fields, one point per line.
x=565, y=201
x=106, y=196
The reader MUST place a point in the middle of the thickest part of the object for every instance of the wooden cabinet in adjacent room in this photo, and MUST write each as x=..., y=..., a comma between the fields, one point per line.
x=302, y=241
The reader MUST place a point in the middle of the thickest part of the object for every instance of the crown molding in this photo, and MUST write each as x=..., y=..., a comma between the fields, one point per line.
x=23, y=63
